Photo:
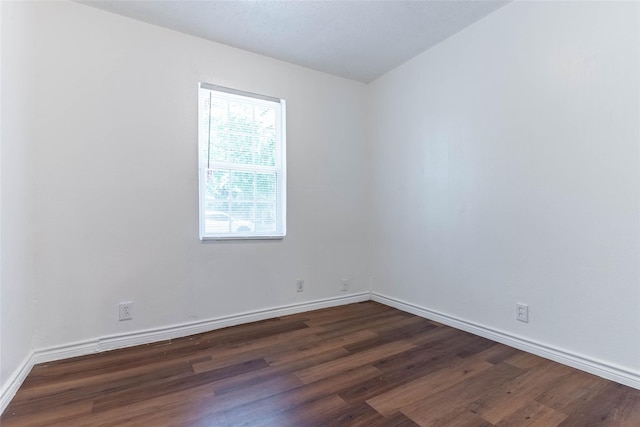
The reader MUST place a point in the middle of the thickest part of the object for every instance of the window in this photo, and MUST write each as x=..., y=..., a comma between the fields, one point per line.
x=241, y=140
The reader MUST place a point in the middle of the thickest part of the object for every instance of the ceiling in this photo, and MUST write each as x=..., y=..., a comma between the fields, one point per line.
x=358, y=40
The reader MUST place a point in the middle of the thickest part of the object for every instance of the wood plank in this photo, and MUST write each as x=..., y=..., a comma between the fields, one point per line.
x=572, y=392
x=495, y=405
x=498, y=353
x=139, y=392
x=415, y=391
x=358, y=415
x=533, y=414
x=525, y=360
x=404, y=329
x=614, y=405
x=262, y=348
x=337, y=329
x=318, y=412
x=196, y=412
x=91, y=384
x=91, y=392
x=302, y=351
x=403, y=368
x=64, y=413
x=436, y=409
x=143, y=412
x=461, y=418
x=396, y=420
x=293, y=398
x=334, y=367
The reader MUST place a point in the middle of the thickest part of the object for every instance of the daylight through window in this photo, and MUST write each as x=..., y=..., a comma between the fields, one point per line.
x=242, y=164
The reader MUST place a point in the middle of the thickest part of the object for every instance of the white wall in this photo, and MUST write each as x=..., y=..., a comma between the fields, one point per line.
x=115, y=193
x=16, y=193
x=505, y=168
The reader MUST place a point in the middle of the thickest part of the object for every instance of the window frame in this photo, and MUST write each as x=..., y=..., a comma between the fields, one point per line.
x=280, y=169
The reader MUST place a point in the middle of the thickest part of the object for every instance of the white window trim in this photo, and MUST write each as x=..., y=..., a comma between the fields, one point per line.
x=280, y=165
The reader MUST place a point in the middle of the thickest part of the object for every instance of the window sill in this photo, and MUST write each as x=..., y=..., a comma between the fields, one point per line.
x=220, y=238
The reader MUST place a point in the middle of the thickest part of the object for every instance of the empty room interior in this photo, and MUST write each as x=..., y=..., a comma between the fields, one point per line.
x=319, y=213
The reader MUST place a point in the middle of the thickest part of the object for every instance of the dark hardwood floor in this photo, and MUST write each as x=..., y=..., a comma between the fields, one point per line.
x=358, y=365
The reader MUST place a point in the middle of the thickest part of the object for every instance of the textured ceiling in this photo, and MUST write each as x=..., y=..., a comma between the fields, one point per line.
x=359, y=40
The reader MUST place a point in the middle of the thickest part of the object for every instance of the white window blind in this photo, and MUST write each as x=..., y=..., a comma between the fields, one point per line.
x=242, y=164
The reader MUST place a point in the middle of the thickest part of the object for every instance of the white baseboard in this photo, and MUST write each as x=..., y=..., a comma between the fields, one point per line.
x=587, y=364
x=111, y=342
x=14, y=382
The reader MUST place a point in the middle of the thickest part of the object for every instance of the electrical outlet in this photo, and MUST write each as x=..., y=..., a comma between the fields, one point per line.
x=299, y=285
x=125, y=311
x=522, y=312
x=345, y=285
